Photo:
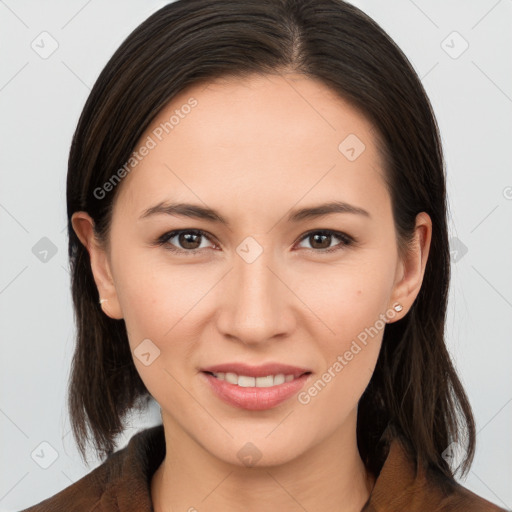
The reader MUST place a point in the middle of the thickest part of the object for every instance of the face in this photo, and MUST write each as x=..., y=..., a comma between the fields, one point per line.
x=266, y=276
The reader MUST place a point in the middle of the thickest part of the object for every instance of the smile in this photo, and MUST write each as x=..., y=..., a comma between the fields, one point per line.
x=254, y=393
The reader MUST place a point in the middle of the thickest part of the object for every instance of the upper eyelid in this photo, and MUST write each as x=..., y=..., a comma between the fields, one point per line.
x=171, y=234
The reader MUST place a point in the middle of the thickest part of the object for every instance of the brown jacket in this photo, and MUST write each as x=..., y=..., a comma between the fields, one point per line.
x=122, y=484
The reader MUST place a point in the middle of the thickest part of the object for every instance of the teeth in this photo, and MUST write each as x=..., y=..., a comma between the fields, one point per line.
x=259, y=382
x=279, y=379
x=232, y=378
x=263, y=382
x=246, y=382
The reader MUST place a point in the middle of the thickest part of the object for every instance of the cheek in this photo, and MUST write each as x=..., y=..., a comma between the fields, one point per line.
x=351, y=304
x=349, y=358
x=156, y=296
x=333, y=396
x=158, y=302
x=165, y=304
x=346, y=299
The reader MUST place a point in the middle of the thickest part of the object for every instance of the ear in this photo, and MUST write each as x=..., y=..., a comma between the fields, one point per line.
x=83, y=226
x=410, y=272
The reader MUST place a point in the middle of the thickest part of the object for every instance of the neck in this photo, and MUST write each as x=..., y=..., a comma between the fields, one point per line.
x=329, y=476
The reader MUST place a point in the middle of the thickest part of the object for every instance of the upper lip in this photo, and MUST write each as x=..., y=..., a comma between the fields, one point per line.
x=257, y=371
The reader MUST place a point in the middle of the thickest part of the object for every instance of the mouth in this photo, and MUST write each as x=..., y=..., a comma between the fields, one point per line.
x=248, y=381
x=255, y=388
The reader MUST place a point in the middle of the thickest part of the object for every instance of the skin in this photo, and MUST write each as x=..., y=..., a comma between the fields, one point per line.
x=253, y=149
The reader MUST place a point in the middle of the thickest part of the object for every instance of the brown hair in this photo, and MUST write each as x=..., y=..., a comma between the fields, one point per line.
x=414, y=390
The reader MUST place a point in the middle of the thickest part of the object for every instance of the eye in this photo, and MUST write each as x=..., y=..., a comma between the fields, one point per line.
x=322, y=239
x=189, y=240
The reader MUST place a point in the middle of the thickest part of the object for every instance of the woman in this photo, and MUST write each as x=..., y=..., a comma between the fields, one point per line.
x=258, y=241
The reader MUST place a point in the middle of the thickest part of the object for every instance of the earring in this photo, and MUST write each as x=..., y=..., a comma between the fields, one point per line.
x=103, y=300
x=398, y=307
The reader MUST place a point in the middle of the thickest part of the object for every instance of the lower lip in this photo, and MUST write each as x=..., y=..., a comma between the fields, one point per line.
x=254, y=398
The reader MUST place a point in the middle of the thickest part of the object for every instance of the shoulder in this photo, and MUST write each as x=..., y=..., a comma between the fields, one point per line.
x=84, y=494
x=459, y=498
x=447, y=495
x=121, y=482
x=403, y=486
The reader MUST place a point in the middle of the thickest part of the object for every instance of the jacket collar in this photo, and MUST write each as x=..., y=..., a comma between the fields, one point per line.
x=146, y=450
x=401, y=485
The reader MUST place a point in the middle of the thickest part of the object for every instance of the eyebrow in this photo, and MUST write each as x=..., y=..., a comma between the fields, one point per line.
x=201, y=212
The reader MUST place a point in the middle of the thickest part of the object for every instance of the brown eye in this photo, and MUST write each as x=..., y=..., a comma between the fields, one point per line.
x=320, y=241
x=189, y=240
x=185, y=241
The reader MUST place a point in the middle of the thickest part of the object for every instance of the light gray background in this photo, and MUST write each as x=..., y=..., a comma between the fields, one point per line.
x=40, y=101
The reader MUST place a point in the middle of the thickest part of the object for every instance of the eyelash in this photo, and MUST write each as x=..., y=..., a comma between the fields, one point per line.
x=163, y=240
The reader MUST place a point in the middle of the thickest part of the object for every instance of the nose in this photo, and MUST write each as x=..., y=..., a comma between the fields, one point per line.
x=256, y=305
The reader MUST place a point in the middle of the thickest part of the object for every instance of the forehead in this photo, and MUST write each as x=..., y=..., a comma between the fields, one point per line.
x=263, y=110
x=278, y=138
